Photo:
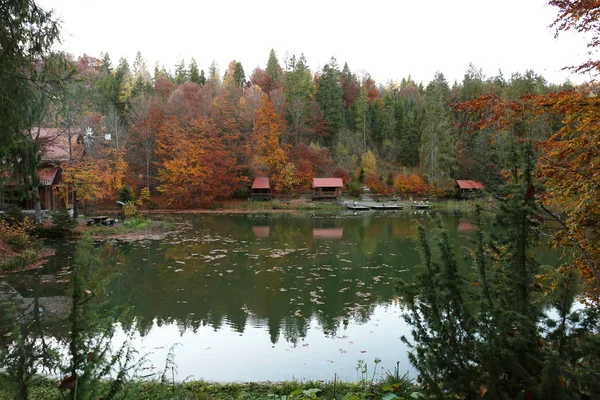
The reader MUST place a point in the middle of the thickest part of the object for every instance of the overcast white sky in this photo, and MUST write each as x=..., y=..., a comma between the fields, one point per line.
x=388, y=39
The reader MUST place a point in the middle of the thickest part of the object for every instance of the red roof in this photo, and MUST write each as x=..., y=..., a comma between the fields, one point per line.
x=261, y=182
x=55, y=144
x=468, y=184
x=47, y=175
x=327, y=182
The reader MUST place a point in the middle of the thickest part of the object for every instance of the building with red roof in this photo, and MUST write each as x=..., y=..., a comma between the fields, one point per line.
x=55, y=153
x=469, y=188
x=261, y=188
x=327, y=188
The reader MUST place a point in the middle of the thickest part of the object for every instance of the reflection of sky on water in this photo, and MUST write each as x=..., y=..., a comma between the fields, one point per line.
x=226, y=355
x=270, y=297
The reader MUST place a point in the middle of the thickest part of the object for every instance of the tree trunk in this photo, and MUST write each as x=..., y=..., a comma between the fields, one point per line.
x=35, y=197
x=75, y=207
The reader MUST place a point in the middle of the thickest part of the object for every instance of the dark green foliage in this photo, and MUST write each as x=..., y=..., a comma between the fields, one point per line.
x=490, y=330
x=354, y=188
x=361, y=176
x=181, y=74
x=390, y=180
x=126, y=195
x=91, y=320
x=329, y=97
x=273, y=69
x=202, y=79
x=194, y=73
x=62, y=220
x=239, y=77
x=13, y=214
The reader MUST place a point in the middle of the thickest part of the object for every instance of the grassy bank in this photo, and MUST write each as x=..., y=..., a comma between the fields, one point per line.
x=276, y=205
x=135, y=228
x=47, y=389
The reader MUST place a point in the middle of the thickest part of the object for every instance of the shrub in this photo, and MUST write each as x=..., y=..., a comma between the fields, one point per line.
x=13, y=214
x=62, y=220
x=354, y=188
x=17, y=234
x=126, y=194
x=130, y=210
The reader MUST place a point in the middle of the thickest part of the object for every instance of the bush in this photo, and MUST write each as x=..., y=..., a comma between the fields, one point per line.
x=62, y=220
x=354, y=188
x=17, y=234
x=130, y=210
x=126, y=194
x=13, y=214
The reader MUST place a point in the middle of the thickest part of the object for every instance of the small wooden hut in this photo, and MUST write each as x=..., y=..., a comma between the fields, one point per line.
x=470, y=188
x=327, y=188
x=261, y=189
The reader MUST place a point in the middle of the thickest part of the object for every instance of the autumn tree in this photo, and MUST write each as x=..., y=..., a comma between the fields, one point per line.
x=197, y=168
x=268, y=156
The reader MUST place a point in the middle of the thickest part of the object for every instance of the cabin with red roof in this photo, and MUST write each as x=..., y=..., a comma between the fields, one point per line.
x=55, y=153
x=261, y=189
x=327, y=188
x=469, y=188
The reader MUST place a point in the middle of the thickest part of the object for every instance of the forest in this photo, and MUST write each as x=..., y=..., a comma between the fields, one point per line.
x=190, y=138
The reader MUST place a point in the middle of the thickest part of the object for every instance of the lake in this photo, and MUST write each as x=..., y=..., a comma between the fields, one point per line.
x=268, y=297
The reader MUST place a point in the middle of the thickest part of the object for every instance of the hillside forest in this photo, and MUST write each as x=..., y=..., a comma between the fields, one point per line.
x=190, y=138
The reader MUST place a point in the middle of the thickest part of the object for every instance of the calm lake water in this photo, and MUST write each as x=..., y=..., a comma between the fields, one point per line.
x=275, y=297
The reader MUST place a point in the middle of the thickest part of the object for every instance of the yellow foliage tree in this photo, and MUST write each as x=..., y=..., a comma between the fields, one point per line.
x=368, y=163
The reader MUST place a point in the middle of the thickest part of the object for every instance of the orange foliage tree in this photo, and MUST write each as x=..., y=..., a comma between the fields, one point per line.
x=375, y=185
x=410, y=184
x=197, y=167
x=268, y=156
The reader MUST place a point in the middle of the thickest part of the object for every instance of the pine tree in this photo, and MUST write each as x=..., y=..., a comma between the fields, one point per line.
x=181, y=74
x=438, y=153
x=194, y=73
x=329, y=97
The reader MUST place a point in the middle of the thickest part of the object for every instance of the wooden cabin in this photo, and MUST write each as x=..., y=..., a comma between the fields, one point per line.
x=261, y=189
x=327, y=188
x=470, y=188
x=54, y=155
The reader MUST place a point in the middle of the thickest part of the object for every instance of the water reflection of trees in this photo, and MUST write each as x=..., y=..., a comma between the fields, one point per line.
x=221, y=273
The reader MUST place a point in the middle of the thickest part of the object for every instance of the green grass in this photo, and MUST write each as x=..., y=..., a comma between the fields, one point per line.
x=265, y=206
x=134, y=225
x=43, y=388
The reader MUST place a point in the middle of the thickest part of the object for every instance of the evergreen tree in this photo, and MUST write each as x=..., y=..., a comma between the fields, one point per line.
x=194, y=73
x=141, y=77
x=438, y=154
x=361, y=107
x=273, y=69
x=329, y=97
x=202, y=79
x=299, y=90
x=239, y=77
x=489, y=334
x=181, y=74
